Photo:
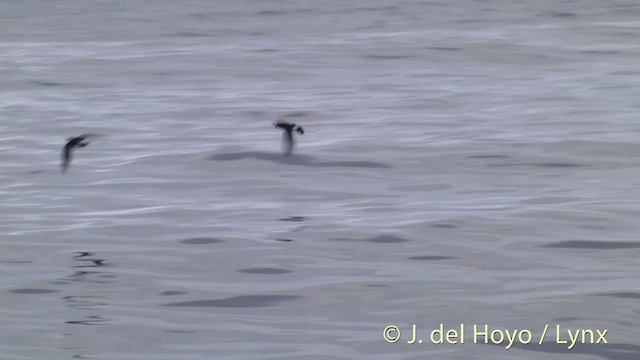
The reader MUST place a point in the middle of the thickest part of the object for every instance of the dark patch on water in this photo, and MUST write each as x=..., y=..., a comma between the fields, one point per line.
x=444, y=226
x=201, y=241
x=431, y=257
x=622, y=295
x=172, y=292
x=377, y=285
x=444, y=48
x=284, y=240
x=379, y=8
x=388, y=57
x=45, y=83
x=188, y=34
x=265, y=271
x=561, y=15
x=200, y=16
x=257, y=113
x=301, y=160
x=599, y=52
x=488, y=156
x=271, y=12
x=266, y=50
x=387, y=239
x=33, y=291
x=91, y=320
x=435, y=3
x=17, y=262
x=382, y=239
x=35, y=172
x=289, y=12
x=594, y=245
x=294, y=218
x=244, y=301
x=544, y=165
x=81, y=356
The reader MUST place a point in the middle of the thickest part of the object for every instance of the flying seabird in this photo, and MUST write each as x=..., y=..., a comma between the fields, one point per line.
x=287, y=136
x=72, y=142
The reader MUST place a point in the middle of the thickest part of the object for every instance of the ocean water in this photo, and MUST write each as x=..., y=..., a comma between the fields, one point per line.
x=468, y=162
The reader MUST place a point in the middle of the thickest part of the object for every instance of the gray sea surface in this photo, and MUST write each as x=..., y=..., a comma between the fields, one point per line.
x=463, y=162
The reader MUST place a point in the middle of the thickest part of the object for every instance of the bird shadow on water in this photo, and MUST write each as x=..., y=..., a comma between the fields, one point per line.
x=300, y=160
x=86, y=260
x=87, y=302
x=88, y=309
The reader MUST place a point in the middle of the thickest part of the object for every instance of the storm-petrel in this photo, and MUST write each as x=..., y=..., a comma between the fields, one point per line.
x=73, y=142
x=287, y=137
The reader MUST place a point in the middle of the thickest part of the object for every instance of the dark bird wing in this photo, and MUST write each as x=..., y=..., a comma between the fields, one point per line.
x=73, y=141
x=78, y=140
x=285, y=125
x=83, y=137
